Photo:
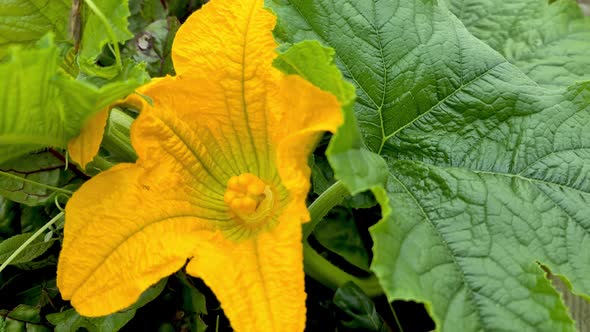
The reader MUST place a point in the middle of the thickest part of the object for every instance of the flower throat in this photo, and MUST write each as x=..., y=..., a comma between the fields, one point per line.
x=249, y=198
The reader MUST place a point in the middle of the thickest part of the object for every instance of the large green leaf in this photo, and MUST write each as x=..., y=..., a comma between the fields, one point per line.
x=488, y=173
x=26, y=21
x=549, y=42
x=43, y=107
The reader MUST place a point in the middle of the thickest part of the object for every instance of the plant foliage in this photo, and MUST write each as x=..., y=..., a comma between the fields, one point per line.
x=465, y=149
x=487, y=172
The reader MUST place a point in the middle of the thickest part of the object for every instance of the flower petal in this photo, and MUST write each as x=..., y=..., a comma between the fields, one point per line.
x=306, y=113
x=227, y=113
x=259, y=282
x=85, y=146
x=231, y=42
x=222, y=36
x=125, y=229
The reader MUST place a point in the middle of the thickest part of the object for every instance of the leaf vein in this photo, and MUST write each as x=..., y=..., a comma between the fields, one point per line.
x=432, y=225
x=442, y=101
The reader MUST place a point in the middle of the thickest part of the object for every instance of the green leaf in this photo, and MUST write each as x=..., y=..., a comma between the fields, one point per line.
x=22, y=318
x=488, y=174
x=338, y=233
x=321, y=175
x=149, y=294
x=95, y=35
x=37, y=248
x=41, y=171
x=347, y=151
x=70, y=320
x=43, y=107
x=153, y=10
x=36, y=290
x=33, y=218
x=549, y=42
x=361, y=311
x=8, y=217
x=26, y=21
x=25, y=313
x=153, y=46
x=194, y=304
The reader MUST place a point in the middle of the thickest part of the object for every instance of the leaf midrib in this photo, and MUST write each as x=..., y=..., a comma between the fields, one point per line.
x=432, y=224
x=510, y=175
x=336, y=55
x=442, y=101
x=379, y=107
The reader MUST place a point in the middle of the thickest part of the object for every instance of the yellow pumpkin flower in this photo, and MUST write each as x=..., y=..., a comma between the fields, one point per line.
x=221, y=180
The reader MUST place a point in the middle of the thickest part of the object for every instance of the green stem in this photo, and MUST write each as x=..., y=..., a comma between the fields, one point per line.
x=117, y=135
x=322, y=205
x=109, y=30
x=318, y=267
x=46, y=186
x=101, y=163
x=30, y=240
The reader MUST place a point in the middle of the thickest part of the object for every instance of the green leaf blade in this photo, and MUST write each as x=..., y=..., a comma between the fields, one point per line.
x=26, y=21
x=388, y=95
x=359, y=309
x=547, y=41
x=487, y=172
x=43, y=175
x=70, y=320
x=459, y=234
x=28, y=73
x=42, y=107
x=96, y=35
x=37, y=248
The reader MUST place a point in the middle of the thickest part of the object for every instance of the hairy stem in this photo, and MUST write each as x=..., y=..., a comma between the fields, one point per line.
x=322, y=205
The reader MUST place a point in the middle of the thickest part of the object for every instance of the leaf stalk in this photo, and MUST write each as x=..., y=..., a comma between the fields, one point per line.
x=318, y=267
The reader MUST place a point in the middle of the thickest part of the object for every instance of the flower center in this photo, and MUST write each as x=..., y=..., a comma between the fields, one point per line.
x=249, y=198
